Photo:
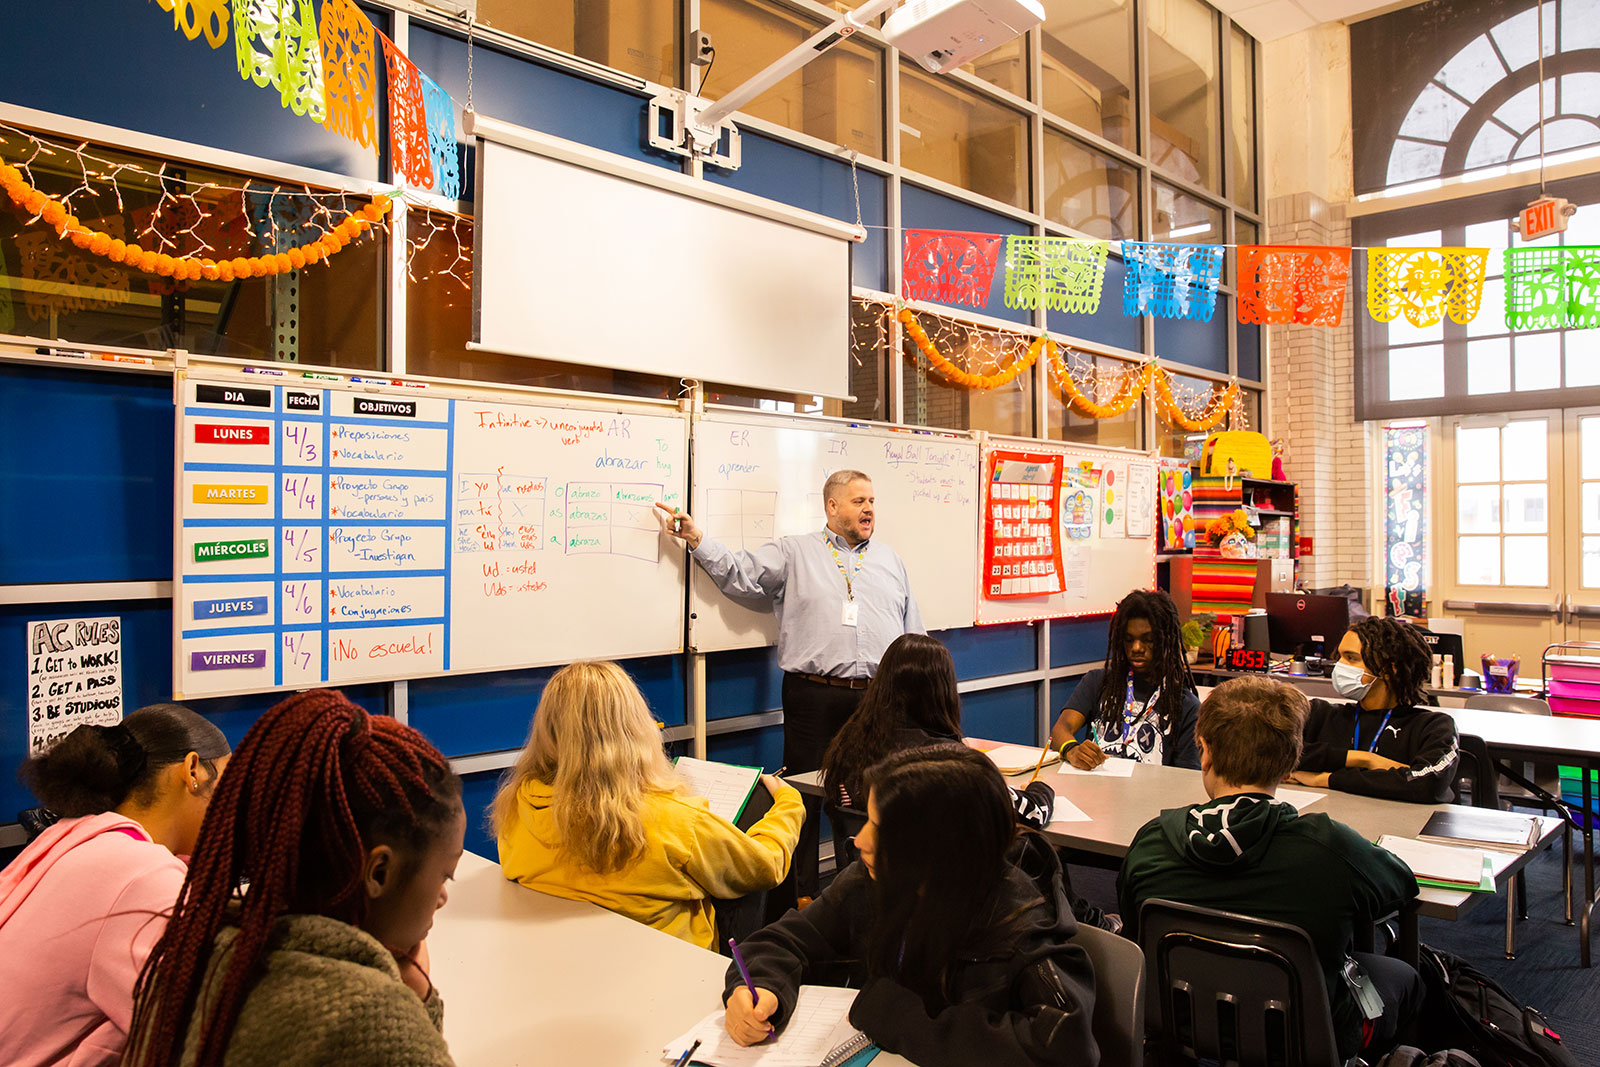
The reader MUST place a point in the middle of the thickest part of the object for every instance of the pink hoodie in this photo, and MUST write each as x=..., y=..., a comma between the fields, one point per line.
x=80, y=910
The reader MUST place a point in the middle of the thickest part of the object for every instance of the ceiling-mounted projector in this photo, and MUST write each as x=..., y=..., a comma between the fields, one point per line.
x=944, y=34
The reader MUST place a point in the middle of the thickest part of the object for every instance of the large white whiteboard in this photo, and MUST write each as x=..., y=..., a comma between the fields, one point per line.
x=590, y=258
x=1114, y=565
x=759, y=477
x=329, y=535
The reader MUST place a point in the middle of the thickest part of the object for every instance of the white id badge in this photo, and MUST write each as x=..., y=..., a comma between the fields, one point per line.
x=851, y=610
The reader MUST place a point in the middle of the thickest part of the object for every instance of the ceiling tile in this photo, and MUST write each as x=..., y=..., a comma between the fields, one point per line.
x=1268, y=22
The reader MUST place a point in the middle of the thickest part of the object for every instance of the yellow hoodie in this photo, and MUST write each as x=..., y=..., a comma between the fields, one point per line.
x=689, y=855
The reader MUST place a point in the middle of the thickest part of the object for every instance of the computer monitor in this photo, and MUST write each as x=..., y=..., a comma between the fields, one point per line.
x=1301, y=624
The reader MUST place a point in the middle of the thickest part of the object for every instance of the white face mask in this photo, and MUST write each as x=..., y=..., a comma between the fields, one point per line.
x=1347, y=681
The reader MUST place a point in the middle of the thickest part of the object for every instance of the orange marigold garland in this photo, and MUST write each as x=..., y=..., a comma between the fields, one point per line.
x=955, y=374
x=1129, y=389
x=186, y=268
x=1215, y=412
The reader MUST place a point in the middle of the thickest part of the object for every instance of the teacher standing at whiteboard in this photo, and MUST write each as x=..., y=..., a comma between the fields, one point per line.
x=840, y=599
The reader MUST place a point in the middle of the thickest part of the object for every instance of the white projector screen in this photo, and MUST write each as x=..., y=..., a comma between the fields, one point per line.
x=585, y=257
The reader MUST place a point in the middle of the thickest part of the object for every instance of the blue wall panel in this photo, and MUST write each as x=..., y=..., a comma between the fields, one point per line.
x=984, y=651
x=1000, y=714
x=924, y=210
x=124, y=65
x=1108, y=325
x=471, y=713
x=1199, y=344
x=85, y=475
x=516, y=89
x=1078, y=640
x=743, y=682
x=815, y=182
x=752, y=748
x=477, y=793
x=235, y=715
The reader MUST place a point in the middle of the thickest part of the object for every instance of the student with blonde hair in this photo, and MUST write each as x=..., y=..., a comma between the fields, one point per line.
x=594, y=811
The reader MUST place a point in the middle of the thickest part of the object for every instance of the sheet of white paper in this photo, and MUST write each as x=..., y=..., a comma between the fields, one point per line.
x=820, y=1024
x=1114, y=501
x=1075, y=564
x=1113, y=767
x=724, y=785
x=1445, y=863
x=1300, y=798
x=1067, y=811
x=1141, y=500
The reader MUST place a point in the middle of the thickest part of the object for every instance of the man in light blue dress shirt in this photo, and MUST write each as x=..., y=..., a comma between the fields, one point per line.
x=840, y=599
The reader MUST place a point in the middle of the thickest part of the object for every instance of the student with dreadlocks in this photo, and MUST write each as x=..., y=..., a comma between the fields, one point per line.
x=1381, y=743
x=300, y=934
x=1142, y=705
x=82, y=906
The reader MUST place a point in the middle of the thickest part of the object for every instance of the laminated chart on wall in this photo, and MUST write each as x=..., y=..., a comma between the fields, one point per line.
x=329, y=537
x=1021, y=531
x=1096, y=566
x=760, y=477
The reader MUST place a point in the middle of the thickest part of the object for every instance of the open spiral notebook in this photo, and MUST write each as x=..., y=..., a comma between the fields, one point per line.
x=818, y=1034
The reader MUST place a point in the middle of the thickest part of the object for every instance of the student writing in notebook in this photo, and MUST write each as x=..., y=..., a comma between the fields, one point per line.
x=594, y=811
x=82, y=906
x=1142, y=704
x=912, y=702
x=957, y=932
x=1381, y=741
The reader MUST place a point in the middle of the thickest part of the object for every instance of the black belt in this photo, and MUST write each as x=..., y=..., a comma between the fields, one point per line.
x=833, y=680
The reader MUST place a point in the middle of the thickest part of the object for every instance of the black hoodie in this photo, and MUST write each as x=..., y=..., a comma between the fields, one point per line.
x=1250, y=854
x=1021, y=994
x=1421, y=738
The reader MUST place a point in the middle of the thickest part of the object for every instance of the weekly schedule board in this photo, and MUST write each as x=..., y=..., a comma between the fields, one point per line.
x=328, y=536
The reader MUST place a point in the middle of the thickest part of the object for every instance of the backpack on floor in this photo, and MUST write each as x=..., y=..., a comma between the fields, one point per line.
x=1406, y=1056
x=1469, y=1010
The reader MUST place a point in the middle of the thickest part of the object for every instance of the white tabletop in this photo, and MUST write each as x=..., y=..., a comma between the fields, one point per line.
x=529, y=978
x=1119, y=807
x=1557, y=736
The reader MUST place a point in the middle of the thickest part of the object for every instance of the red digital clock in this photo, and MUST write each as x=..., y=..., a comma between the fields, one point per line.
x=1247, y=659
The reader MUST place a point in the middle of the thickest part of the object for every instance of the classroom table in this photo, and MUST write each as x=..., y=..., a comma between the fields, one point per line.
x=1119, y=807
x=1547, y=739
x=528, y=978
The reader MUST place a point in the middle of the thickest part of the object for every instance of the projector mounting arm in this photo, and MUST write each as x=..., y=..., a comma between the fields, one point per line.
x=689, y=125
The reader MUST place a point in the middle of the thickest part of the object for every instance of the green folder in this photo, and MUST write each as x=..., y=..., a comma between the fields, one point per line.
x=1485, y=885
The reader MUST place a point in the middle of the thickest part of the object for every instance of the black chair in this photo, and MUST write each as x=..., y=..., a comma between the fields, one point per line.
x=846, y=823
x=1233, y=989
x=1476, y=775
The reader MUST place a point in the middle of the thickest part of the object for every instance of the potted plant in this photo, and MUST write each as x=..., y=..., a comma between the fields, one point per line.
x=1193, y=635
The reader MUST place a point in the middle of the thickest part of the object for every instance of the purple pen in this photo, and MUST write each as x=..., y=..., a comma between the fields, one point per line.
x=744, y=972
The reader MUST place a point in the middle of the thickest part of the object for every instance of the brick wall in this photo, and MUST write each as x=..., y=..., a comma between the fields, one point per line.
x=1311, y=371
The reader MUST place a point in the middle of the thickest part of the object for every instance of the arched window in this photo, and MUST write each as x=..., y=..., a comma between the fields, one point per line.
x=1481, y=108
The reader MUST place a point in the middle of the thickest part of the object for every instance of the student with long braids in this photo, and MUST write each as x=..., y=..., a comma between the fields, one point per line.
x=300, y=935
x=954, y=927
x=82, y=906
x=1380, y=741
x=1142, y=705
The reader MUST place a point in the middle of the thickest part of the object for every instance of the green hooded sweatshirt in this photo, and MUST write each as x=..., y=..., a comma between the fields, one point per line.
x=1251, y=854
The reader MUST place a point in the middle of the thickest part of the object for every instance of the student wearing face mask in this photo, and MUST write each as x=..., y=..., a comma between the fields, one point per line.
x=1382, y=743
